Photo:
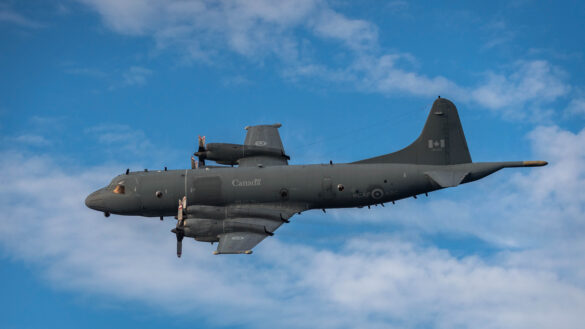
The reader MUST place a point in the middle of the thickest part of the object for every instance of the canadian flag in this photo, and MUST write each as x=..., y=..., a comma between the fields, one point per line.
x=436, y=144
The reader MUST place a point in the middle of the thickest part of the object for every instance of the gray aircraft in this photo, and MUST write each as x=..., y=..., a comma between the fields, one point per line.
x=240, y=206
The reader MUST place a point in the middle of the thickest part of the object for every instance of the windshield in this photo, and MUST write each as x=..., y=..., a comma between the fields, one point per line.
x=120, y=188
x=112, y=184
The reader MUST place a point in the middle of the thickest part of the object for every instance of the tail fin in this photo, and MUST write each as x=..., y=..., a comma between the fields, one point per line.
x=441, y=142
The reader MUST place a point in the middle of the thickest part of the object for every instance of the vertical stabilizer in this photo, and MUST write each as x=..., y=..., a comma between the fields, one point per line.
x=441, y=142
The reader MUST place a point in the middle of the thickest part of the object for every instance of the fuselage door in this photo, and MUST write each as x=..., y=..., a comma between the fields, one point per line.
x=206, y=190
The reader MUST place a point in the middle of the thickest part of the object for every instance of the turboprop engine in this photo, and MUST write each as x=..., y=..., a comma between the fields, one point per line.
x=206, y=223
x=229, y=154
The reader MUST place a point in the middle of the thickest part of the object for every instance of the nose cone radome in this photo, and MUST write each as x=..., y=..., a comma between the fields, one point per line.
x=95, y=201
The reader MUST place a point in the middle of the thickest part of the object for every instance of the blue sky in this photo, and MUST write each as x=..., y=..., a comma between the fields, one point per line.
x=89, y=88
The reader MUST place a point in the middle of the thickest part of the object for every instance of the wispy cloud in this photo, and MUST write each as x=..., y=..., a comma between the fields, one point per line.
x=136, y=76
x=284, y=30
x=576, y=107
x=519, y=92
x=86, y=71
x=237, y=80
x=118, y=138
x=500, y=33
x=8, y=16
x=28, y=139
x=527, y=84
x=373, y=280
x=133, y=76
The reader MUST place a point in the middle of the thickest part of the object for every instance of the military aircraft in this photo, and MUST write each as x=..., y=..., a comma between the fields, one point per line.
x=240, y=206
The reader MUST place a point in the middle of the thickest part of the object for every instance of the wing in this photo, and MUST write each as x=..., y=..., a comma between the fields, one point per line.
x=264, y=136
x=238, y=242
x=244, y=233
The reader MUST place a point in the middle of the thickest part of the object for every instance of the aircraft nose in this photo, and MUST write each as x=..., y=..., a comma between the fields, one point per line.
x=95, y=201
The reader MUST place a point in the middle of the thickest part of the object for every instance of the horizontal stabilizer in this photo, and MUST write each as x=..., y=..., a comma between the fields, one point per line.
x=447, y=178
x=454, y=175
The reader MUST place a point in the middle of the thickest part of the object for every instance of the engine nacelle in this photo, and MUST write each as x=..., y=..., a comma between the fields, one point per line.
x=220, y=213
x=229, y=154
x=208, y=230
x=203, y=229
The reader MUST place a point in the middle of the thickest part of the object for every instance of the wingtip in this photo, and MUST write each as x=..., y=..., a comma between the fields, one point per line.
x=534, y=163
x=247, y=252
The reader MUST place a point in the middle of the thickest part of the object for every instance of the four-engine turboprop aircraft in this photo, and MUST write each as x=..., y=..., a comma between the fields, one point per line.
x=240, y=206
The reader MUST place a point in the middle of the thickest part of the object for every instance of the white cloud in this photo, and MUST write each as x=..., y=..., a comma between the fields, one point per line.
x=9, y=16
x=523, y=92
x=356, y=34
x=28, y=139
x=237, y=80
x=383, y=75
x=576, y=107
x=249, y=28
x=120, y=138
x=136, y=76
x=530, y=83
x=262, y=29
x=128, y=17
x=86, y=71
x=381, y=280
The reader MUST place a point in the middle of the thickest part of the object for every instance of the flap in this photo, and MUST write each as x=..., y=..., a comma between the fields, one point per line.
x=245, y=227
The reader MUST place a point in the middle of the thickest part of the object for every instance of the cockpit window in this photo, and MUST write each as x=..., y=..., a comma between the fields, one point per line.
x=120, y=188
x=111, y=185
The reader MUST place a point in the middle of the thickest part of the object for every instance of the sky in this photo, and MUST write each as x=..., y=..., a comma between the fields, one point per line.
x=89, y=88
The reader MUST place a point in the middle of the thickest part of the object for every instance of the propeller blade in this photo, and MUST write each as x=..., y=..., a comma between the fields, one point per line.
x=201, y=144
x=180, y=212
x=179, y=244
x=180, y=230
x=201, y=151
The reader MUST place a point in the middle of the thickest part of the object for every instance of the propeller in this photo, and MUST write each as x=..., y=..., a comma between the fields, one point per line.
x=180, y=229
x=201, y=153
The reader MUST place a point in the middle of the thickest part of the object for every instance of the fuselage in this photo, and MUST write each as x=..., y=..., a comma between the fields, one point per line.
x=156, y=193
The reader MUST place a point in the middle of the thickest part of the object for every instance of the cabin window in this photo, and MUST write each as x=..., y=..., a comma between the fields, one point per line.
x=120, y=188
x=284, y=193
